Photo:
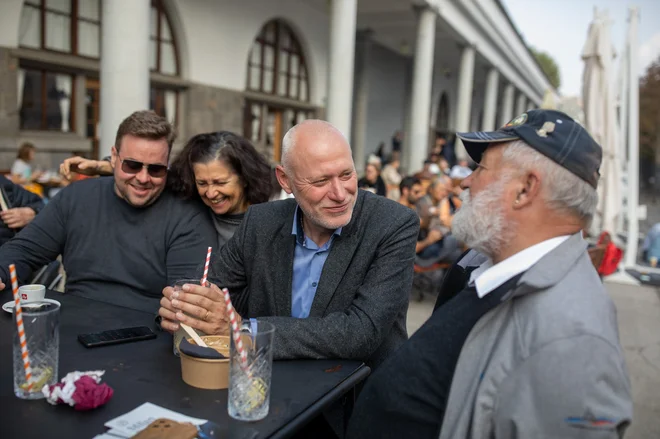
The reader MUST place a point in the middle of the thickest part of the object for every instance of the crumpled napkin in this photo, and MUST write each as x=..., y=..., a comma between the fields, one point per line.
x=81, y=390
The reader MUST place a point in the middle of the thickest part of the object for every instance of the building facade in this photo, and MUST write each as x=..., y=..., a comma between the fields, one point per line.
x=70, y=70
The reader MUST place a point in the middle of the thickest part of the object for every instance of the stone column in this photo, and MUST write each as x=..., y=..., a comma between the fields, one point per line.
x=520, y=104
x=124, y=65
x=507, y=105
x=420, y=108
x=465, y=84
x=490, y=102
x=343, y=14
x=359, y=142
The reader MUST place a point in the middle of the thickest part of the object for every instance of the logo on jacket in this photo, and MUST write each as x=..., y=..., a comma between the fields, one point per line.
x=591, y=422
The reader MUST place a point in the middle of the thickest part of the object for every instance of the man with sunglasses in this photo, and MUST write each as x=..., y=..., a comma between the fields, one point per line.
x=122, y=238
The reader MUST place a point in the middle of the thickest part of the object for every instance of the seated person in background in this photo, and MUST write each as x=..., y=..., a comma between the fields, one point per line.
x=445, y=248
x=651, y=246
x=450, y=203
x=443, y=164
x=122, y=239
x=331, y=269
x=21, y=169
x=22, y=206
x=372, y=181
x=411, y=191
x=392, y=178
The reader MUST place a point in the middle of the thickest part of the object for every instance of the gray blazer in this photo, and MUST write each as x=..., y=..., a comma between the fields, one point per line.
x=359, y=311
x=547, y=362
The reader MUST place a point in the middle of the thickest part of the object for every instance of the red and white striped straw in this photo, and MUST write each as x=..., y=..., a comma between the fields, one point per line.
x=234, y=326
x=21, y=330
x=206, y=266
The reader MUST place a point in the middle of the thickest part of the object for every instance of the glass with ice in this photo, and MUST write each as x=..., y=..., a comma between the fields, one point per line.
x=181, y=333
x=41, y=322
x=250, y=374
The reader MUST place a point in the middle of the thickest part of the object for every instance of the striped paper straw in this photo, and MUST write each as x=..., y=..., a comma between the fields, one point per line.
x=21, y=330
x=206, y=267
x=234, y=326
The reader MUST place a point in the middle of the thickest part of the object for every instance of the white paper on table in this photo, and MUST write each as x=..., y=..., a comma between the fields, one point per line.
x=107, y=436
x=131, y=423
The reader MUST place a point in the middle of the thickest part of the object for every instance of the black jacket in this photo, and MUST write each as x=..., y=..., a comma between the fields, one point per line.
x=16, y=196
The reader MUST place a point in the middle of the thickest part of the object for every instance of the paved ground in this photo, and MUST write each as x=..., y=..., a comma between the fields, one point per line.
x=639, y=328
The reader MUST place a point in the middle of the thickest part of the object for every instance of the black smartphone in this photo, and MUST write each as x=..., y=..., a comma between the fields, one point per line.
x=116, y=336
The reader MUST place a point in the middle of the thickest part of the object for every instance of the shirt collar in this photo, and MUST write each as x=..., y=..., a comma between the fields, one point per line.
x=297, y=228
x=488, y=276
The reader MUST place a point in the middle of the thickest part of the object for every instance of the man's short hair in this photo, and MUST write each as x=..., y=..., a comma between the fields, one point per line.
x=146, y=125
x=408, y=183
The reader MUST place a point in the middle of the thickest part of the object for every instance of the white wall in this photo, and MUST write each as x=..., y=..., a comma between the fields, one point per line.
x=10, y=20
x=219, y=34
x=387, y=93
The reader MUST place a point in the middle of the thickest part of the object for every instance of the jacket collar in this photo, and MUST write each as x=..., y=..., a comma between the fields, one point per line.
x=552, y=268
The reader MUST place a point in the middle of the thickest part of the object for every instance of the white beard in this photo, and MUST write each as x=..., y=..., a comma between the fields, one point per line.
x=480, y=222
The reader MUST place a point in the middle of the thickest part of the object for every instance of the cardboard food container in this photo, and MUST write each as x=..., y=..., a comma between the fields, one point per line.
x=205, y=373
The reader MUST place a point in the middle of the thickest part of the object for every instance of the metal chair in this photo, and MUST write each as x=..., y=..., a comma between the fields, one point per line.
x=49, y=275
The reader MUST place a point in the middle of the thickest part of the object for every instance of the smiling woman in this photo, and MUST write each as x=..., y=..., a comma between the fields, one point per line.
x=226, y=173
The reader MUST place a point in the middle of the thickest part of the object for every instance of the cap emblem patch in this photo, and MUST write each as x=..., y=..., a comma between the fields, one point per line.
x=547, y=127
x=517, y=121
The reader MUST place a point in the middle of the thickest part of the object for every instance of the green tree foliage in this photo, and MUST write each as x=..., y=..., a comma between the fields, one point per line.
x=549, y=66
x=649, y=112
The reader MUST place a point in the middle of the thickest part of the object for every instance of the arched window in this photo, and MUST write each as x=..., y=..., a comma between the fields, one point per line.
x=162, y=48
x=70, y=26
x=164, y=59
x=442, y=119
x=276, y=64
x=278, y=77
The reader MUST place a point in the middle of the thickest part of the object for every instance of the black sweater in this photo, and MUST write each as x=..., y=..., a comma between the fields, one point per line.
x=112, y=251
x=17, y=196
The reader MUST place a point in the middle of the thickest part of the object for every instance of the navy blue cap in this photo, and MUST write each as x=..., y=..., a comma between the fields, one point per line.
x=550, y=132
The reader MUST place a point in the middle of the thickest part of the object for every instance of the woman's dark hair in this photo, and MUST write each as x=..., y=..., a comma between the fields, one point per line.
x=24, y=151
x=235, y=151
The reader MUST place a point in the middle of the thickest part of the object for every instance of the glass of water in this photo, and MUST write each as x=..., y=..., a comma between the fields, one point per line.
x=41, y=322
x=250, y=378
x=181, y=333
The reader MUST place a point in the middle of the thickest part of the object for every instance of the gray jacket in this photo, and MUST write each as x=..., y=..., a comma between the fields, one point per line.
x=359, y=310
x=547, y=363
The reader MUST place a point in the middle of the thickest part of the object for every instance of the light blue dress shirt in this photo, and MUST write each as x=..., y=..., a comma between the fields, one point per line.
x=308, y=261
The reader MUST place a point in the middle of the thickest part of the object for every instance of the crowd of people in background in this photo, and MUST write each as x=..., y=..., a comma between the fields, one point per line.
x=433, y=192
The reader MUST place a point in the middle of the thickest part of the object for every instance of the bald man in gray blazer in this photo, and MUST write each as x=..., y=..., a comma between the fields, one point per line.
x=331, y=269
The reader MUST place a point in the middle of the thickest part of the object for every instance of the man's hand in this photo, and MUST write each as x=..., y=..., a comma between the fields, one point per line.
x=2, y=285
x=198, y=307
x=17, y=217
x=84, y=166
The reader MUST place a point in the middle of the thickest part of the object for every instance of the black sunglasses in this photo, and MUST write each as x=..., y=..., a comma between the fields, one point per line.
x=133, y=167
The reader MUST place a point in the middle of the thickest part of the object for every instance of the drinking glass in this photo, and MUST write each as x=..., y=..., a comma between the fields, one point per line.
x=250, y=378
x=41, y=322
x=181, y=333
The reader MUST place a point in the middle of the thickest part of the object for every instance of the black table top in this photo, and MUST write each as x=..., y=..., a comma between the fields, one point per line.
x=148, y=371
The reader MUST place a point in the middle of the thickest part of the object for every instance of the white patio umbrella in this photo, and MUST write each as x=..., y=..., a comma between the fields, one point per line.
x=598, y=93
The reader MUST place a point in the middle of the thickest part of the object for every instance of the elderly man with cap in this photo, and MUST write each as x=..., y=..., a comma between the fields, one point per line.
x=523, y=341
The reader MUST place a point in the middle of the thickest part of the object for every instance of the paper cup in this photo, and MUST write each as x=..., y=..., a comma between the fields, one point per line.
x=32, y=293
x=205, y=373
